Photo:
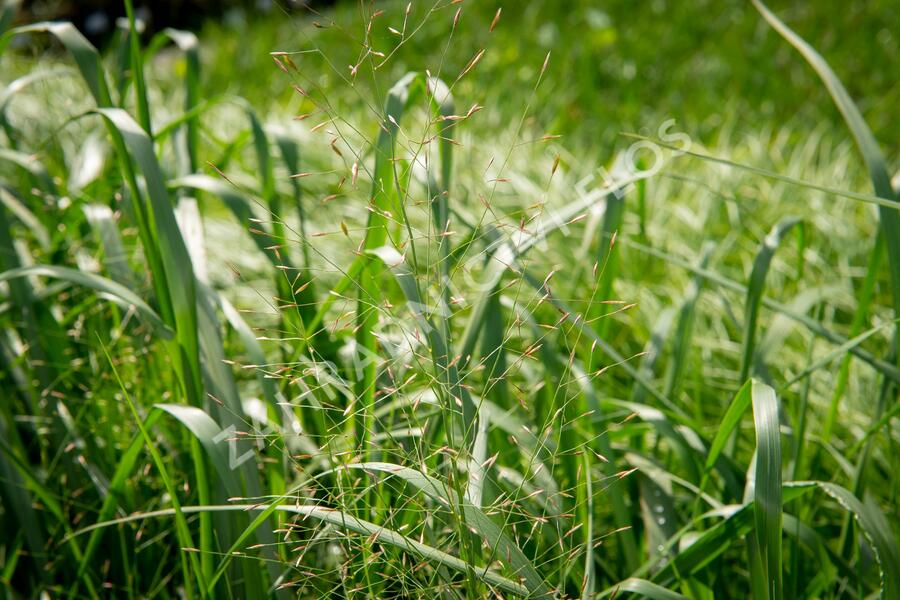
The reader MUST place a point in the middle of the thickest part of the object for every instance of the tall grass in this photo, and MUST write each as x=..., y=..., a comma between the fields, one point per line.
x=426, y=380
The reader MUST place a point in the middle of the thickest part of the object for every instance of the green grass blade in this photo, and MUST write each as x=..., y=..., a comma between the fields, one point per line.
x=86, y=56
x=681, y=343
x=290, y=154
x=476, y=470
x=103, y=221
x=645, y=588
x=875, y=162
x=191, y=564
x=115, y=291
x=887, y=201
x=767, y=491
x=729, y=423
x=202, y=426
x=587, y=524
x=608, y=263
x=348, y=522
x=117, y=484
x=189, y=45
x=177, y=279
x=878, y=531
x=137, y=70
x=756, y=288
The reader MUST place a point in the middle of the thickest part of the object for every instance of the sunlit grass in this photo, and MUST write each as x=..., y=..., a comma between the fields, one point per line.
x=401, y=338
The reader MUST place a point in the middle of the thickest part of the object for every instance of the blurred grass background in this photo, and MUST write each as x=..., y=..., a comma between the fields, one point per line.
x=616, y=65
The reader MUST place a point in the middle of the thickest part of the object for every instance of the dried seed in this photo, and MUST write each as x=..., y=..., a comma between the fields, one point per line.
x=496, y=19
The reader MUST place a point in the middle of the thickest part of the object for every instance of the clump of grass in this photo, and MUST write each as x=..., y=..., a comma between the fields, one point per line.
x=434, y=390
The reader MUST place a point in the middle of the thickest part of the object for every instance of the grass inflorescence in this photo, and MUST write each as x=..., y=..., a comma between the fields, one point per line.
x=389, y=335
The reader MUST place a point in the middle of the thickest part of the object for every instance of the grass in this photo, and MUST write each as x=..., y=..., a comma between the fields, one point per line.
x=316, y=329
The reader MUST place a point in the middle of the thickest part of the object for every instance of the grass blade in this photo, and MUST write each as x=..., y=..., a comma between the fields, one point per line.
x=767, y=493
x=885, y=368
x=181, y=526
x=681, y=343
x=502, y=547
x=386, y=200
x=729, y=423
x=173, y=277
x=643, y=587
x=875, y=162
x=876, y=528
x=123, y=471
x=888, y=201
x=348, y=522
x=137, y=70
x=756, y=288
x=189, y=45
x=115, y=291
x=86, y=56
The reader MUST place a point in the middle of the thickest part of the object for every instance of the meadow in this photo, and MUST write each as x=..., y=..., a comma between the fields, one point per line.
x=452, y=300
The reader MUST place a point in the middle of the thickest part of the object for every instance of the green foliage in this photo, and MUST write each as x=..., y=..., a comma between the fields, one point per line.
x=398, y=348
